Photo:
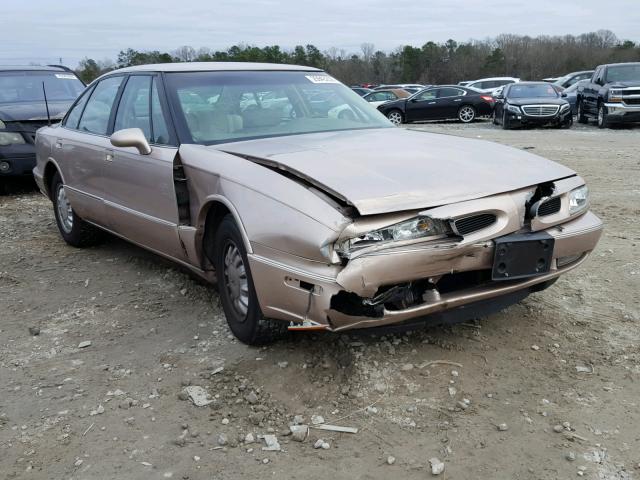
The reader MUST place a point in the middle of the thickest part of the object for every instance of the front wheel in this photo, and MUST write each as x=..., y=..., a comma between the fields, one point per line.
x=603, y=117
x=237, y=293
x=505, y=121
x=582, y=118
x=466, y=114
x=75, y=231
x=395, y=117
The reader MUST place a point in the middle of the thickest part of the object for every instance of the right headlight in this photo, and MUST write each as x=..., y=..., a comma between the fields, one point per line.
x=615, y=95
x=514, y=109
x=578, y=199
x=2, y=125
x=10, y=138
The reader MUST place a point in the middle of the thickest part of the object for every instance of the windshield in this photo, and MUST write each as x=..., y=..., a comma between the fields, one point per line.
x=216, y=107
x=26, y=86
x=623, y=73
x=541, y=90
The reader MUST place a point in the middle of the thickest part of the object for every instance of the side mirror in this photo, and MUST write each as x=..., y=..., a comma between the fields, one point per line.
x=131, y=137
x=563, y=94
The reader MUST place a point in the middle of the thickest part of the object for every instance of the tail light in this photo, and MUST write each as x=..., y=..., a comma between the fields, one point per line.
x=487, y=98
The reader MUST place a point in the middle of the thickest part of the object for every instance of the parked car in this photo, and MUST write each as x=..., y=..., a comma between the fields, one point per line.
x=361, y=90
x=571, y=78
x=404, y=86
x=439, y=103
x=378, y=97
x=464, y=83
x=612, y=95
x=550, y=79
x=432, y=229
x=571, y=96
x=532, y=104
x=23, y=110
x=489, y=85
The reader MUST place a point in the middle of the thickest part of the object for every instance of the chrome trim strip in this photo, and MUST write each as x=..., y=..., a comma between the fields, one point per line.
x=139, y=214
x=288, y=268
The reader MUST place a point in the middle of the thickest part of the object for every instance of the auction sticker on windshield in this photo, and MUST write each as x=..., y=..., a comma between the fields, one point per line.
x=321, y=79
x=66, y=76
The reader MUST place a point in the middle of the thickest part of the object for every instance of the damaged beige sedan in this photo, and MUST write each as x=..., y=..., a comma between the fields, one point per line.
x=308, y=219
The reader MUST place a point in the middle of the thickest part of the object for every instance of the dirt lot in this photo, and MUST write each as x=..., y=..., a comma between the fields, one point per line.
x=566, y=356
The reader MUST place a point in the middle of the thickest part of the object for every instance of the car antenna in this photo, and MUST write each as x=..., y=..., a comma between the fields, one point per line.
x=46, y=104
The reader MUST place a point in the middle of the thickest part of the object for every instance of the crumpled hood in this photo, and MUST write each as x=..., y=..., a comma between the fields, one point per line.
x=25, y=111
x=393, y=169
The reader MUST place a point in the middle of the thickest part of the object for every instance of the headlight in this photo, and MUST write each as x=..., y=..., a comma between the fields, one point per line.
x=418, y=227
x=615, y=95
x=565, y=107
x=10, y=138
x=513, y=108
x=2, y=125
x=578, y=199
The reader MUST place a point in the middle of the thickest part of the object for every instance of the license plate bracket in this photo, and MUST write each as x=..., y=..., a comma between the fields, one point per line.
x=522, y=255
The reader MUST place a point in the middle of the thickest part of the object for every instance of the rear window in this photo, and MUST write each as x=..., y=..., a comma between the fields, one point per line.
x=27, y=86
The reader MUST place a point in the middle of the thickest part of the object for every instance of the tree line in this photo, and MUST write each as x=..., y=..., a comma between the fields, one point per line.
x=531, y=58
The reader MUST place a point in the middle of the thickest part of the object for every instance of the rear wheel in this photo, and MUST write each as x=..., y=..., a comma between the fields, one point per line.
x=582, y=118
x=75, y=231
x=466, y=114
x=237, y=293
x=395, y=117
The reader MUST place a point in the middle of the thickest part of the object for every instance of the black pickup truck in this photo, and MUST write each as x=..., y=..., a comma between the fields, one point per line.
x=612, y=96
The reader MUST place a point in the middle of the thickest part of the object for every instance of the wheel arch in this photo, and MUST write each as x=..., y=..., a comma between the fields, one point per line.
x=50, y=169
x=213, y=210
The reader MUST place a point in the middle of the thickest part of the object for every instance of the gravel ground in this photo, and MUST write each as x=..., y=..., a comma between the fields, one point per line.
x=547, y=389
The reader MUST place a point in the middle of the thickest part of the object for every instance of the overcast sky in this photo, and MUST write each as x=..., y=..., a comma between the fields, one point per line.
x=43, y=31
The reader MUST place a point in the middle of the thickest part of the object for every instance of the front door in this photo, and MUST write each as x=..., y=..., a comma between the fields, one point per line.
x=422, y=106
x=139, y=190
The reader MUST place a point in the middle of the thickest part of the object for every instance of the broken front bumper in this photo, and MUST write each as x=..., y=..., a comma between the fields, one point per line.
x=295, y=290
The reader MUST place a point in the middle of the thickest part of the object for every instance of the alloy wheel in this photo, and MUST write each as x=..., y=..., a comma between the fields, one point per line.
x=236, y=281
x=466, y=114
x=64, y=210
x=395, y=117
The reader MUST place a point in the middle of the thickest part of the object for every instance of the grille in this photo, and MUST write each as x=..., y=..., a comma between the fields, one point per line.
x=540, y=110
x=467, y=225
x=632, y=101
x=635, y=91
x=549, y=207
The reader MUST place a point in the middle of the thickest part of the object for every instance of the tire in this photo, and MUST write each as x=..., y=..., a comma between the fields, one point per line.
x=396, y=117
x=567, y=123
x=603, y=117
x=505, y=121
x=494, y=119
x=466, y=113
x=237, y=293
x=582, y=118
x=75, y=231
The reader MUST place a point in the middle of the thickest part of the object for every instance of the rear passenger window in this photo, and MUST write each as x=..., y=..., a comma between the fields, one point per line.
x=95, y=118
x=450, y=92
x=76, y=111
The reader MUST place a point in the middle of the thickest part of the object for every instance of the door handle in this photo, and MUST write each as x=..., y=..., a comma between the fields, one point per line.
x=108, y=155
x=58, y=143
x=432, y=103
x=458, y=100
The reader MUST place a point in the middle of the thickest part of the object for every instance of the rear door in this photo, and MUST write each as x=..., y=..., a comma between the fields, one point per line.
x=422, y=106
x=590, y=91
x=83, y=145
x=448, y=102
x=139, y=189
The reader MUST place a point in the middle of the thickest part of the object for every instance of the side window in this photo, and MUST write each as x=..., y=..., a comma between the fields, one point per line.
x=133, y=111
x=159, y=129
x=76, y=111
x=95, y=118
x=428, y=95
x=450, y=92
x=140, y=108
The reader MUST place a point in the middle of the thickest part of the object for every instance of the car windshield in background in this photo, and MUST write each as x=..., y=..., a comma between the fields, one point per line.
x=519, y=90
x=623, y=73
x=26, y=86
x=216, y=107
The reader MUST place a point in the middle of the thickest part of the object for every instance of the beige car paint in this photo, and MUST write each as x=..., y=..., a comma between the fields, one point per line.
x=350, y=182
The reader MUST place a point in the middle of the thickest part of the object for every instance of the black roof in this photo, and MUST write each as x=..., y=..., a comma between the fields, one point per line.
x=34, y=68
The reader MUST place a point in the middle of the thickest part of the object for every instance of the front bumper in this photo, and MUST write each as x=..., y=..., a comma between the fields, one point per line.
x=303, y=293
x=622, y=113
x=16, y=160
x=523, y=119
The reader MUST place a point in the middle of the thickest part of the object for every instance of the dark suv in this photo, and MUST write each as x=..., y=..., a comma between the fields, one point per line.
x=612, y=95
x=23, y=110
